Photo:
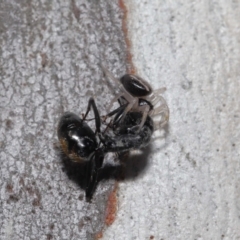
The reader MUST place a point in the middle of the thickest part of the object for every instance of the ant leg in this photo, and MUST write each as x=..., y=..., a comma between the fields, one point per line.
x=119, y=109
x=118, y=114
x=107, y=127
x=109, y=74
x=127, y=97
x=91, y=103
x=93, y=169
x=113, y=122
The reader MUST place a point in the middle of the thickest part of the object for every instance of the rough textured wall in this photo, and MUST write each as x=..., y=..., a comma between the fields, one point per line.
x=187, y=185
x=49, y=63
x=190, y=189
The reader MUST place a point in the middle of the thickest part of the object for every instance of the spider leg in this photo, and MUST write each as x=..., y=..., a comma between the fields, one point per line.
x=163, y=105
x=155, y=97
x=158, y=91
x=162, y=110
x=145, y=112
x=128, y=108
x=114, y=100
x=109, y=74
x=159, y=110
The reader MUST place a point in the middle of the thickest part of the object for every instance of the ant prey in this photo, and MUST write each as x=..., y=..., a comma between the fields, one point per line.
x=131, y=127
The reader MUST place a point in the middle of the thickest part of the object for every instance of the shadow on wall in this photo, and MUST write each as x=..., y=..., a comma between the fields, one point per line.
x=129, y=167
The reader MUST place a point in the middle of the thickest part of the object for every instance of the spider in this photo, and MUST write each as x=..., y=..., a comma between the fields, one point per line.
x=137, y=96
x=81, y=144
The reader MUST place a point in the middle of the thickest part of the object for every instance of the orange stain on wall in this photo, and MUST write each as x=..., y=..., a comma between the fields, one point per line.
x=131, y=69
x=111, y=209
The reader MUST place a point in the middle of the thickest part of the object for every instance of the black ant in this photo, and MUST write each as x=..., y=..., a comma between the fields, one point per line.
x=79, y=142
x=126, y=134
x=130, y=128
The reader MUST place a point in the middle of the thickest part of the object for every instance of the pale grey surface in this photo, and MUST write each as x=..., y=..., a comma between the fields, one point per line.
x=49, y=64
x=190, y=189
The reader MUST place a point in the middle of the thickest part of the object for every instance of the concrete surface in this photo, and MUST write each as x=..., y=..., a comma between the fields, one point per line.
x=50, y=52
x=186, y=185
x=190, y=189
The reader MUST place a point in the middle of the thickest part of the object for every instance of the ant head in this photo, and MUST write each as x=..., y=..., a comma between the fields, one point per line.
x=77, y=139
